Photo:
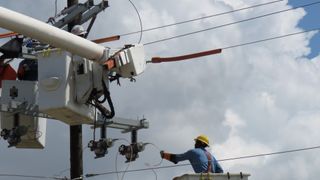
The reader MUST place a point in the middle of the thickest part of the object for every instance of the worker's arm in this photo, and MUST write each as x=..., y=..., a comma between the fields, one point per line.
x=175, y=158
x=217, y=167
x=168, y=156
x=185, y=156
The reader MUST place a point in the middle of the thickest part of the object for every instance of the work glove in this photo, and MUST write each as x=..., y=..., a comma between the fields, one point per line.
x=168, y=156
x=162, y=154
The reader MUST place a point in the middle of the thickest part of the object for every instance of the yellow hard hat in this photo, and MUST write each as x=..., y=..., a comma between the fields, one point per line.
x=203, y=138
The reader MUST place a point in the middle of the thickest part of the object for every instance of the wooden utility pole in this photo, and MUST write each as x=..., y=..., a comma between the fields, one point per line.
x=76, y=160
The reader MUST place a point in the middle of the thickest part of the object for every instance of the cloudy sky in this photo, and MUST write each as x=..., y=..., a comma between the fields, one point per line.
x=249, y=100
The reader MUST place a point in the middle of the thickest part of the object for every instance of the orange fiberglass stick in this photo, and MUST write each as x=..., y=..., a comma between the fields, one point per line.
x=107, y=39
x=110, y=63
x=9, y=34
x=185, y=57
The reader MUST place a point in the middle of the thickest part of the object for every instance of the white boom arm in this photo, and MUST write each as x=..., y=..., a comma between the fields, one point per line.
x=46, y=33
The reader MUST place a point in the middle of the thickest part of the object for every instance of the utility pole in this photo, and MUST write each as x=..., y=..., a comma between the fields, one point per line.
x=76, y=160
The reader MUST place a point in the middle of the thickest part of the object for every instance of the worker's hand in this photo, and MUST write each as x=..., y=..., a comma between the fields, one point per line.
x=162, y=154
x=168, y=156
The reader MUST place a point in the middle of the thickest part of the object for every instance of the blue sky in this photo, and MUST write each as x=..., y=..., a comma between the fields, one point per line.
x=310, y=21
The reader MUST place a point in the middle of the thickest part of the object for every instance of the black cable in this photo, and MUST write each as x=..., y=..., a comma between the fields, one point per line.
x=94, y=101
x=95, y=124
x=104, y=111
x=109, y=100
x=228, y=24
x=201, y=18
x=141, y=28
x=221, y=160
x=105, y=93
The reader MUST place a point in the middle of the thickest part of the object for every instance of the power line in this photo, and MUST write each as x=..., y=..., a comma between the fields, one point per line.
x=221, y=160
x=55, y=8
x=232, y=23
x=270, y=154
x=29, y=176
x=140, y=21
x=216, y=51
x=271, y=38
x=201, y=18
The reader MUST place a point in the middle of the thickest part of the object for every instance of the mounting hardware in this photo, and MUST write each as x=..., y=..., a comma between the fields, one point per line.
x=13, y=136
x=131, y=151
x=100, y=148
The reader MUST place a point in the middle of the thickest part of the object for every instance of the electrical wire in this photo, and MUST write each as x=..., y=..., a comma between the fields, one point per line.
x=155, y=173
x=131, y=154
x=270, y=154
x=77, y=178
x=220, y=160
x=155, y=165
x=255, y=42
x=29, y=176
x=94, y=124
x=271, y=38
x=116, y=161
x=232, y=23
x=116, y=165
x=68, y=169
x=61, y=172
x=201, y=18
x=55, y=8
x=126, y=170
x=140, y=21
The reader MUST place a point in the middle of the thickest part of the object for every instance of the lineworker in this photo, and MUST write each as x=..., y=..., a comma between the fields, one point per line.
x=28, y=70
x=79, y=31
x=6, y=71
x=201, y=160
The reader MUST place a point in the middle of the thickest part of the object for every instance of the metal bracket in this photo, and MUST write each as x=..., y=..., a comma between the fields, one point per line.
x=75, y=11
x=23, y=108
x=86, y=10
x=127, y=125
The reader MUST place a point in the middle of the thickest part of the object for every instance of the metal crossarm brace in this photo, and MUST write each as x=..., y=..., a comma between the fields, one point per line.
x=127, y=125
x=87, y=10
x=76, y=10
x=94, y=11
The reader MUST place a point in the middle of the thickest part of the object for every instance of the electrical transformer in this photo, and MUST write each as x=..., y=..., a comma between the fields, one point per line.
x=19, y=126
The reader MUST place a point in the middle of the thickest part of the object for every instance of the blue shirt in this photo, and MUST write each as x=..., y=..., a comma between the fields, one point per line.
x=199, y=160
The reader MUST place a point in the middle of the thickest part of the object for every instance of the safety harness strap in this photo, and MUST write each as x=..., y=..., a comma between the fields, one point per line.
x=209, y=162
